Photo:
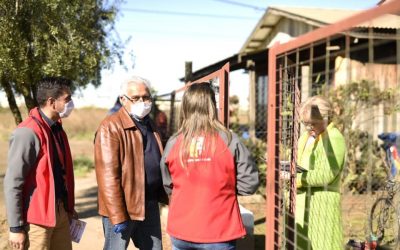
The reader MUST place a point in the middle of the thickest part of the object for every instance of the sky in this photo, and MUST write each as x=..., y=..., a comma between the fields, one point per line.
x=163, y=35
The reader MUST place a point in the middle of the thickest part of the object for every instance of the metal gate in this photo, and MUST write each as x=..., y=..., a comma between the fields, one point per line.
x=170, y=103
x=361, y=53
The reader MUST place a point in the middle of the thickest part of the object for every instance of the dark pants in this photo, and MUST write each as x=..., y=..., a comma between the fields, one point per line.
x=146, y=235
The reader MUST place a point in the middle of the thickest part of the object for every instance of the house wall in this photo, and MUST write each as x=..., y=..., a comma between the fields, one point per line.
x=291, y=27
x=383, y=76
x=261, y=105
x=252, y=100
x=340, y=71
x=259, y=79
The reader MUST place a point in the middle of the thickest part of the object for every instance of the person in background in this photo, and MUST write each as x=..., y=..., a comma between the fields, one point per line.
x=39, y=181
x=116, y=107
x=127, y=154
x=321, y=151
x=391, y=145
x=161, y=121
x=204, y=167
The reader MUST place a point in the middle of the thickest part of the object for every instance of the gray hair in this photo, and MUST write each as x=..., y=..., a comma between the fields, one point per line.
x=133, y=80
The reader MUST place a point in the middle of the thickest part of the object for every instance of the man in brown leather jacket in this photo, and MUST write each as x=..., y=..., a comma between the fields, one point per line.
x=127, y=155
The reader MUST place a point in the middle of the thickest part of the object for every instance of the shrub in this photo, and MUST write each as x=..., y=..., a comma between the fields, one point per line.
x=82, y=165
x=365, y=166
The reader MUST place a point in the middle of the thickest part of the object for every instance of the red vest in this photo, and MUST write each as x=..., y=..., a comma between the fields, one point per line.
x=203, y=206
x=39, y=191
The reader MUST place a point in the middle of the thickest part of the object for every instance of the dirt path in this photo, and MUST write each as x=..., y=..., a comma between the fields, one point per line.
x=3, y=223
x=86, y=206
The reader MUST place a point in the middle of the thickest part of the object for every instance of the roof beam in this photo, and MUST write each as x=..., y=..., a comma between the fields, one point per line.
x=267, y=26
x=254, y=40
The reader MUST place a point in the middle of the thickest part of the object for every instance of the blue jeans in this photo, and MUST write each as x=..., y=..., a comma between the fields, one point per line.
x=178, y=244
x=146, y=235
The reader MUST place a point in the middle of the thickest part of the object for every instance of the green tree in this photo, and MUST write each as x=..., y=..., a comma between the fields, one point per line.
x=70, y=38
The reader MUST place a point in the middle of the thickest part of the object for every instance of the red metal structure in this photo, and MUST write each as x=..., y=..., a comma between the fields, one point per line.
x=219, y=80
x=284, y=97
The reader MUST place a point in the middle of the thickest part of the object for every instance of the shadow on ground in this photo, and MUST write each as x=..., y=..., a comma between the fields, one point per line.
x=259, y=241
x=86, y=203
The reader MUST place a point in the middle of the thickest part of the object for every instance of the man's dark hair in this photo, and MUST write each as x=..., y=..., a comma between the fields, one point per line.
x=51, y=87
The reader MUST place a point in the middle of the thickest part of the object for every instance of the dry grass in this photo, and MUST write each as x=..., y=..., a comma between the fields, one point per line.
x=82, y=123
x=7, y=123
x=80, y=127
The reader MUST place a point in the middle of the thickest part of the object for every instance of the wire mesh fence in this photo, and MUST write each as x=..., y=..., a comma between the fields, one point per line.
x=355, y=65
x=170, y=103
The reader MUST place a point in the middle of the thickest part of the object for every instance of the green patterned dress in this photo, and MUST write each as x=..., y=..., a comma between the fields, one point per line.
x=318, y=209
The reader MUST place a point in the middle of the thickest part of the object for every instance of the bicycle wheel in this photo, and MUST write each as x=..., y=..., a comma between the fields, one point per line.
x=384, y=223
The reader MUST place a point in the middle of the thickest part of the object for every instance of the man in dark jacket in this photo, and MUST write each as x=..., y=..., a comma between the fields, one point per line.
x=127, y=156
x=39, y=182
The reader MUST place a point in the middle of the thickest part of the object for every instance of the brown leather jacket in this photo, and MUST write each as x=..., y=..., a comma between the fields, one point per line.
x=119, y=164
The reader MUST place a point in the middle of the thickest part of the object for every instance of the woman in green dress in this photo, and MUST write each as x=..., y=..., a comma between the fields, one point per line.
x=321, y=150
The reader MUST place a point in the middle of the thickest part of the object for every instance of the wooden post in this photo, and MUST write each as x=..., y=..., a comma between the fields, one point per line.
x=188, y=72
x=252, y=98
x=171, y=129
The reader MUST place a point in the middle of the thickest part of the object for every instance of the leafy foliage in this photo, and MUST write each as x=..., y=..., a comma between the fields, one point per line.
x=74, y=39
x=365, y=165
x=82, y=165
x=234, y=113
x=256, y=146
x=350, y=99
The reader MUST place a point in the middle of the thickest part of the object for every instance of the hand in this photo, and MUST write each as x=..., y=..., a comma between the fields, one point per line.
x=73, y=215
x=121, y=227
x=17, y=240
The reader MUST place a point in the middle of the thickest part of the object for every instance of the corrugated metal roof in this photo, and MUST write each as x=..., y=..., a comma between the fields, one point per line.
x=316, y=17
x=329, y=16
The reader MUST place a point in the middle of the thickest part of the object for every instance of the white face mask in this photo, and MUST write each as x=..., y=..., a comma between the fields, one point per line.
x=140, y=109
x=68, y=107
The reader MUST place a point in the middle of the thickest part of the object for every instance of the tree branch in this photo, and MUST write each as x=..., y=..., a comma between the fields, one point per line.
x=11, y=99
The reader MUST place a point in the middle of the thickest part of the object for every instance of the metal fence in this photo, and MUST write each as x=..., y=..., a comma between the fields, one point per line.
x=355, y=64
x=170, y=103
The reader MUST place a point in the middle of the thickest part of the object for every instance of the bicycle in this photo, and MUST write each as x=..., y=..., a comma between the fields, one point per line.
x=384, y=221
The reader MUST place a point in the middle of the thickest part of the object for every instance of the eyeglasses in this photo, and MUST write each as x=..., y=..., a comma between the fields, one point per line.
x=136, y=98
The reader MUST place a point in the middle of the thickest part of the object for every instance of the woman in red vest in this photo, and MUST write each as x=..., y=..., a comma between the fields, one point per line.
x=204, y=167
